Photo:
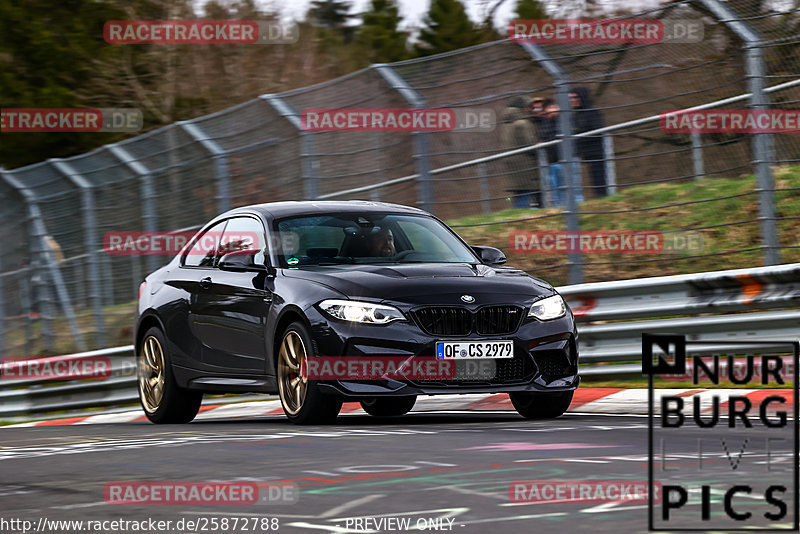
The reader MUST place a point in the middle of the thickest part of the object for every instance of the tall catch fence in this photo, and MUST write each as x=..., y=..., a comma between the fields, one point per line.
x=731, y=198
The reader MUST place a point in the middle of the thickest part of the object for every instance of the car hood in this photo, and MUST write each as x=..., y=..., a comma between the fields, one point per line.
x=430, y=283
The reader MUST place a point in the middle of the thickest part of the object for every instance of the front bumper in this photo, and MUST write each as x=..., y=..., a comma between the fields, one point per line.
x=545, y=357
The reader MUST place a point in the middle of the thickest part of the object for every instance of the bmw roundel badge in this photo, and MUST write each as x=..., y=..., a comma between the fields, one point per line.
x=469, y=299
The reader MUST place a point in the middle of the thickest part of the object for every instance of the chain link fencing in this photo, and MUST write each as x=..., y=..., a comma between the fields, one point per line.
x=732, y=195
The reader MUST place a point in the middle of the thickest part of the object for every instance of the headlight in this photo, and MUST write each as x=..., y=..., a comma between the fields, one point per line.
x=548, y=308
x=361, y=312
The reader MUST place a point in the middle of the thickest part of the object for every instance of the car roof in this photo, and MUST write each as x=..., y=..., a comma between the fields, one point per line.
x=278, y=210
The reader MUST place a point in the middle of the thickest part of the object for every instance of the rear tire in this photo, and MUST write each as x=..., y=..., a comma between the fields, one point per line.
x=302, y=401
x=162, y=400
x=389, y=406
x=541, y=405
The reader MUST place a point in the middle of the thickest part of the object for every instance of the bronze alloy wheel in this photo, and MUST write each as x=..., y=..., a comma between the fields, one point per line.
x=293, y=386
x=151, y=374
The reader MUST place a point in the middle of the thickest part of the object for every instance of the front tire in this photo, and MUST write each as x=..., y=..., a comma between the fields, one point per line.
x=302, y=401
x=162, y=400
x=389, y=406
x=541, y=405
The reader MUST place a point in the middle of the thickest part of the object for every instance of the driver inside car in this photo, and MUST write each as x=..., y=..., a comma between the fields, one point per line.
x=381, y=243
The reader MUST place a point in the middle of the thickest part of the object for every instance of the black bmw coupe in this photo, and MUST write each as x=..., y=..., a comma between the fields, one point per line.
x=263, y=294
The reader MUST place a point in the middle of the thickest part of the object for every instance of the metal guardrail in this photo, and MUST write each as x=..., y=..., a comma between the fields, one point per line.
x=650, y=305
x=686, y=294
x=26, y=396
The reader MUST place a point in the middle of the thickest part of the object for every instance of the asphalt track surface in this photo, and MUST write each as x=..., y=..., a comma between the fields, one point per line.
x=447, y=466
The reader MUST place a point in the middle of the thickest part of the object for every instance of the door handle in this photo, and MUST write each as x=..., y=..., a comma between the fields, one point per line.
x=205, y=283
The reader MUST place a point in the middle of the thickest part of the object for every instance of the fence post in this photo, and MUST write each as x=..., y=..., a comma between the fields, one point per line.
x=565, y=149
x=2, y=310
x=486, y=204
x=548, y=200
x=697, y=156
x=308, y=151
x=90, y=242
x=147, y=193
x=761, y=145
x=41, y=253
x=220, y=157
x=610, y=163
x=763, y=157
x=25, y=302
x=422, y=153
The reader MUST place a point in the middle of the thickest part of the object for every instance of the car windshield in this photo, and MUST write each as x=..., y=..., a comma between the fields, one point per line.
x=343, y=238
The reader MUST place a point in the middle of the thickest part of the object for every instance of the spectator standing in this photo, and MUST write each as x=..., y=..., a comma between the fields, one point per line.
x=545, y=113
x=589, y=149
x=545, y=116
x=517, y=132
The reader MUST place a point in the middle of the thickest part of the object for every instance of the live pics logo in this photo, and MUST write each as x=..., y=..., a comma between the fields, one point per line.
x=726, y=459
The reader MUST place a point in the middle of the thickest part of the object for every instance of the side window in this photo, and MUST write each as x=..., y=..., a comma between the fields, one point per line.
x=204, y=252
x=244, y=233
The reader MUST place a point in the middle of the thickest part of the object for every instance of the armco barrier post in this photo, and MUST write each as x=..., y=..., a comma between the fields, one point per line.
x=220, y=158
x=422, y=152
x=761, y=145
x=565, y=148
x=90, y=242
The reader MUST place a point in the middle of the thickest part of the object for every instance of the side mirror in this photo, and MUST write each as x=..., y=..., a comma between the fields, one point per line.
x=241, y=261
x=490, y=255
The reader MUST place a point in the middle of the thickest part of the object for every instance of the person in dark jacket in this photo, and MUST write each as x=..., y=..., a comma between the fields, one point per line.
x=517, y=131
x=545, y=116
x=589, y=149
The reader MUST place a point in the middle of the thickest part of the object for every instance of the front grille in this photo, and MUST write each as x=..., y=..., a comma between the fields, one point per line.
x=445, y=321
x=458, y=321
x=494, y=320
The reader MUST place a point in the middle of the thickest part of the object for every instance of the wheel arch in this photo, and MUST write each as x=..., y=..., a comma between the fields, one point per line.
x=148, y=321
x=288, y=315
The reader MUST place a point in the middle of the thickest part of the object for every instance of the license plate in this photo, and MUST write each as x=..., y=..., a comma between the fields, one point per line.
x=457, y=350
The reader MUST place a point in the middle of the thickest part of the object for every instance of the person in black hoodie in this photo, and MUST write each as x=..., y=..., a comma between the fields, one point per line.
x=544, y=112
x=545, y=116
x=590, y=149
